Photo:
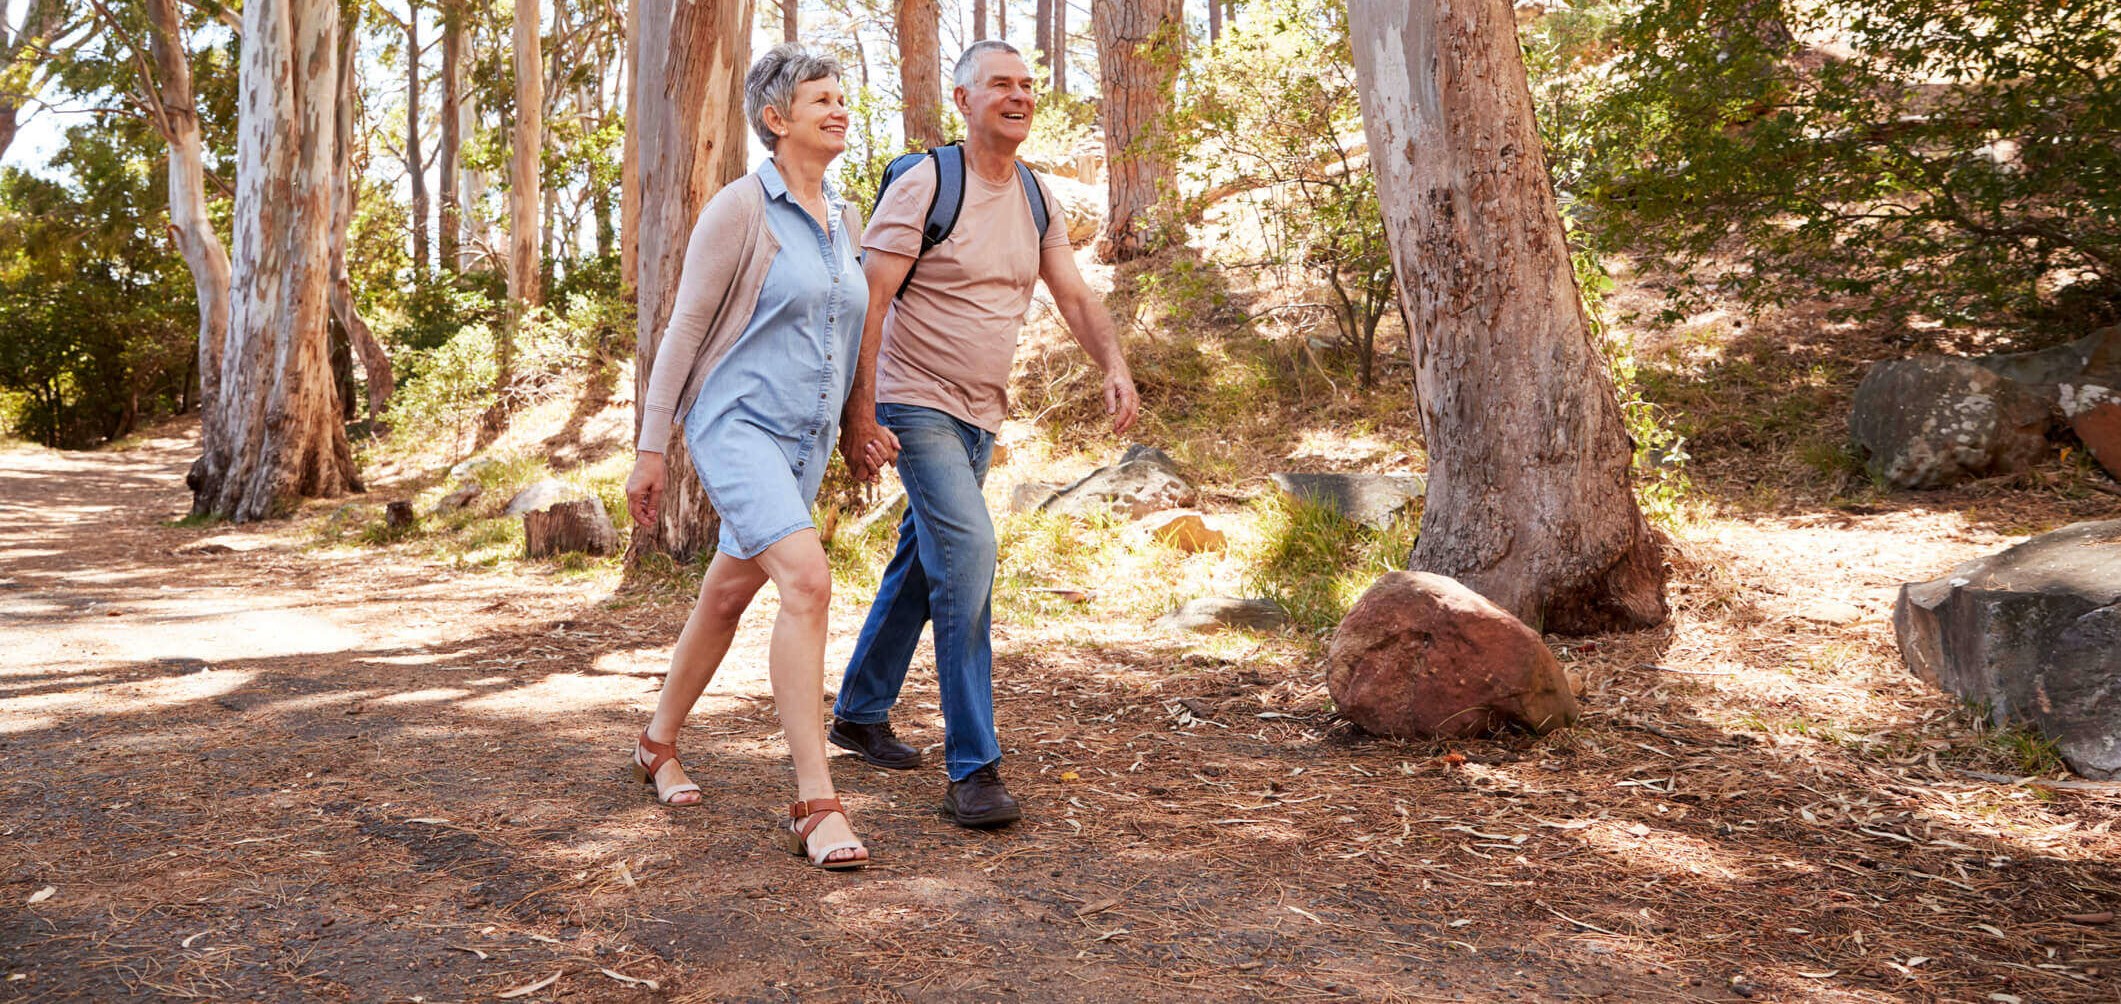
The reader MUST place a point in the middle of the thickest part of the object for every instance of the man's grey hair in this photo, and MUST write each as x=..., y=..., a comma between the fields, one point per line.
x=773, y=80
x=968, y=64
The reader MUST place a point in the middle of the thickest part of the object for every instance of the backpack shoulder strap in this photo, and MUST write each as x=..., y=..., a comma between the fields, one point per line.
x=949, y=198
x=1041, y=214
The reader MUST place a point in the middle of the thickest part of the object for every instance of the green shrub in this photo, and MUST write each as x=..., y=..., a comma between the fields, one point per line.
x=1316, y=563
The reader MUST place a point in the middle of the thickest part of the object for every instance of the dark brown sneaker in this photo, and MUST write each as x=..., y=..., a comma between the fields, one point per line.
x=979, y=801
x=876, y=744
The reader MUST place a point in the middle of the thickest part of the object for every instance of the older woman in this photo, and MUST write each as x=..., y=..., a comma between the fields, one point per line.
x=762, y=351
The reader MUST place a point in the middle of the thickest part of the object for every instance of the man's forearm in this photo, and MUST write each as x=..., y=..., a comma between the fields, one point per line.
x=1092, y=329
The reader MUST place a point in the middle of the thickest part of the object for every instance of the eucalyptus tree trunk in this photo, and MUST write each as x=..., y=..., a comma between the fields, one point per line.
x=176, y=115
x=688, y=108
x=979, y=20
x=449, y=228
x=415, y=162
x=275, y=433
x=523, y=195
x=920, y=63
x=471, y=182
x=375, y=362
x=630, y=157
x=790, y=20
x=1139, y=47
x=1001, y=19
x=1529, y=497
x=1215, y=20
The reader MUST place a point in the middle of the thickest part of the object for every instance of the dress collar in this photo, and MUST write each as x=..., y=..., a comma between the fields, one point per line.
x=777, y=187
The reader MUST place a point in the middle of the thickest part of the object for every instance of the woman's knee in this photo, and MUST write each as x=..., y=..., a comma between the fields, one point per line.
x=727, y=600
x=806, y=589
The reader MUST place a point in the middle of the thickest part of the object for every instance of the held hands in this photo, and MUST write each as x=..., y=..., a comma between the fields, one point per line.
x=644, y=489
x=1122, y=402
x=867, y=447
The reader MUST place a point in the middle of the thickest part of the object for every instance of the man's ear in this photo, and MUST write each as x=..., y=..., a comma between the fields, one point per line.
x=962, y=100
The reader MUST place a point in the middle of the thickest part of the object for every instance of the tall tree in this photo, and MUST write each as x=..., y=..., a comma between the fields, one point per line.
x=275, y=434
x=1060, y=46
x=23, y=54
x=524, y=198
x=1001, y=19
x=1529, y=499
x=1139, y=47
x=688, y=109
x=920, y=63
x=448, y=230
x=1215, y=20
x=175, y=112
x=375, y=361
x=415, y=164
x=979, y=20
x=790, y=20
x=1042, y=32
x=471, y=181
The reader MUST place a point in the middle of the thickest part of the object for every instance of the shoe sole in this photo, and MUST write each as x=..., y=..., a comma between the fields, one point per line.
x=991, y=820
x=867, y=758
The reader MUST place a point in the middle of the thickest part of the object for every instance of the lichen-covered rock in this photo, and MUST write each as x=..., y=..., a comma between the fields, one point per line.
x=1133, y=488
x=1370, y=499
x=2094, y=414
x=2092, y=360
x=1934, y=421
x=2034, y=633
x=1422, y=656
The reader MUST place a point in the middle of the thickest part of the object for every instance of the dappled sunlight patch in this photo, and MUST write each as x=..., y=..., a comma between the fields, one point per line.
x=432, y=695
x=37, y=712
x=554, y=693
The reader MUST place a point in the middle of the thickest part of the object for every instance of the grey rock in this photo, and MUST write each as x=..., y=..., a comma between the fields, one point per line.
x=464, y=495
x=470, y=468
x=1370, y=499
x=1133, y=489
x=1150, y=454
x=2034, y=632
x=1934, y=421
x=1030, y=496
x=542, y=495
x=1217, y=613
x=398, y=515
x=2094, y=359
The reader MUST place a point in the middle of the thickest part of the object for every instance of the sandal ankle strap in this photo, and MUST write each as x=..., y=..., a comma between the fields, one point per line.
x=808, y=815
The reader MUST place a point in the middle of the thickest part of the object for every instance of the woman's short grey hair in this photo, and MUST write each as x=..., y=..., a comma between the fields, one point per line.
x=967, y=67
x=773, y=80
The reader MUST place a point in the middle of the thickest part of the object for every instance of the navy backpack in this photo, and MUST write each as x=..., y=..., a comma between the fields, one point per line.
x=949, y=197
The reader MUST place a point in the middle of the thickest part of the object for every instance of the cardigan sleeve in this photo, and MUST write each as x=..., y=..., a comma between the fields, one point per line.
x=713, y=257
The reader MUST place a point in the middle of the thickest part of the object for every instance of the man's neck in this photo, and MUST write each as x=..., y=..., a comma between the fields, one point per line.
x=991, y=157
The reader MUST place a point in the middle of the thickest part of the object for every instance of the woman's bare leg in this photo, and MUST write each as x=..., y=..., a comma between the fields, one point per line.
x=797, y=566
x=725, y=592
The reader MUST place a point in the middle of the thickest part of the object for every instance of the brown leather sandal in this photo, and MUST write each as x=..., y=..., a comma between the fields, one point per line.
x=803, y=819
x=660, y=754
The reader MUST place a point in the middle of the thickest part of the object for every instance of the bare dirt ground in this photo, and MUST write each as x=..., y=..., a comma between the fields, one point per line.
x=274, y=773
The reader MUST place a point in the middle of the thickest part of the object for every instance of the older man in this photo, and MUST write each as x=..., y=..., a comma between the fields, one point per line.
x=936, y=358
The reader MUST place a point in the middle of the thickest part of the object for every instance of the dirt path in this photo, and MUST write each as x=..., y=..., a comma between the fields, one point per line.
x=275, y=773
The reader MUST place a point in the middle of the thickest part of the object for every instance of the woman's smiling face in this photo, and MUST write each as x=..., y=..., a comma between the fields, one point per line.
x=816, y=119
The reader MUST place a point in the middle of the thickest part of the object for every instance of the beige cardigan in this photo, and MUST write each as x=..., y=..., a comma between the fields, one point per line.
x=717, y=291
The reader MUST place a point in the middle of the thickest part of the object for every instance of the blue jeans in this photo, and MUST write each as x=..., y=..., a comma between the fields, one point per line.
x=943, y=571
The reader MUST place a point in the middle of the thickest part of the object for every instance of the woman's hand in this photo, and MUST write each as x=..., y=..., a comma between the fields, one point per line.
x=867, y=447
x=644, y=489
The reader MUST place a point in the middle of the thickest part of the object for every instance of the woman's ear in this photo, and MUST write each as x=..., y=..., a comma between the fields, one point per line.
x=775, y=122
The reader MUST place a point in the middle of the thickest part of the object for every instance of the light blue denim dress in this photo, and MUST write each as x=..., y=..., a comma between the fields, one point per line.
x=768, y=415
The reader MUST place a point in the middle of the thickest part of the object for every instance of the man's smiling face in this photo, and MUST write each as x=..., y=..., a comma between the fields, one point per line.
x=1001, y=100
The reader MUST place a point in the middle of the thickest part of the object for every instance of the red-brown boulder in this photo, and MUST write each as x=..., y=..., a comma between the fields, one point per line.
x=1421, y=656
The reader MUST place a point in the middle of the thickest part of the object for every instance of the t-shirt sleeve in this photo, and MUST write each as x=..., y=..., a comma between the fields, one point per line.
x=903, y=213
x=1056, y=218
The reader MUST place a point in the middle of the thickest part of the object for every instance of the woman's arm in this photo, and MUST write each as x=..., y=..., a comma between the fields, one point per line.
x=713, y=256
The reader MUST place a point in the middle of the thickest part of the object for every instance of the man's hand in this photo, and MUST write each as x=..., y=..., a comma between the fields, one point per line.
x=1122, y=402
x=867, y=447
x=644, y=489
